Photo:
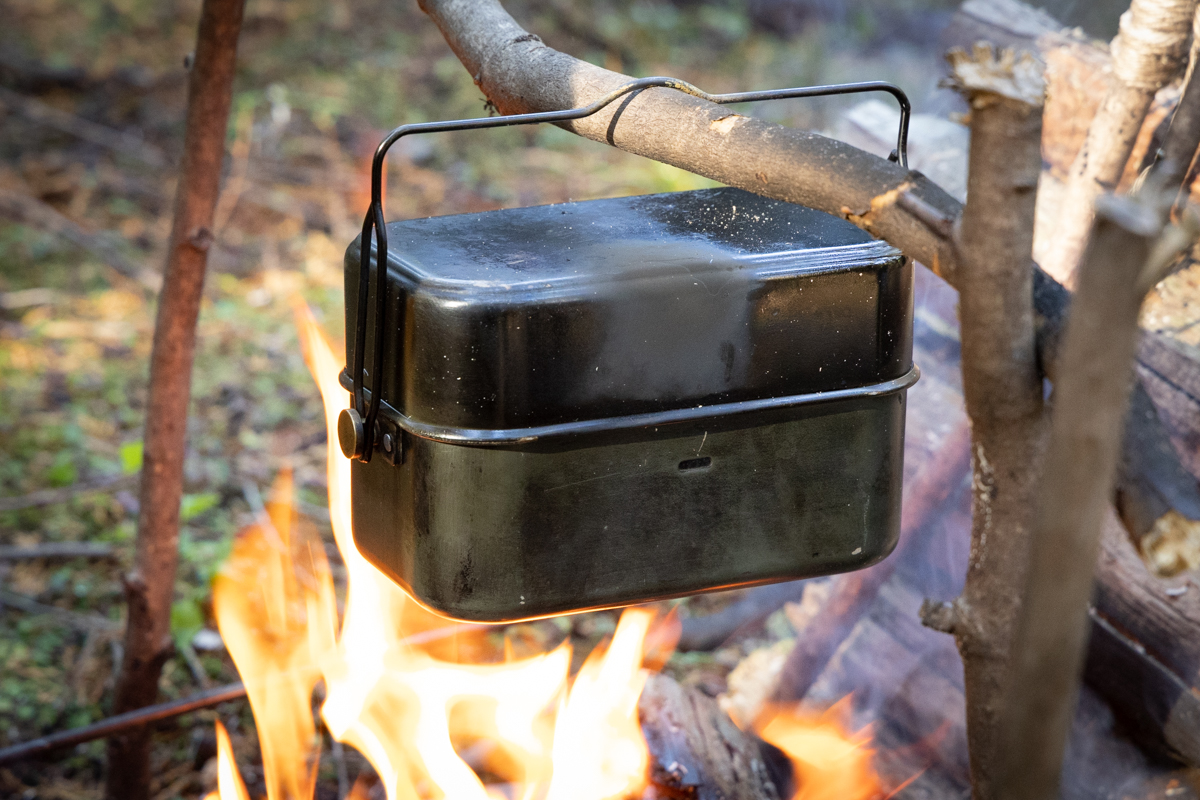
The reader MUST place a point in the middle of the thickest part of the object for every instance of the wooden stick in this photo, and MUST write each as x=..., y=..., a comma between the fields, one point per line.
x=1147, y=53
x=1178, y=151
x=1090, y=406
x=120, y=723
x=518, y=73
x=150, y=587
x=47, y=497
x=57, y=550
x=1002, y=385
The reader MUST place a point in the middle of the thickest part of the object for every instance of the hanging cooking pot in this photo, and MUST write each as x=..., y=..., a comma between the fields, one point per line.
x=593, y=404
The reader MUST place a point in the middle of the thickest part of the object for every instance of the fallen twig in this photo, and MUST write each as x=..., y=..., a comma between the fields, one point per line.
x=57, y=550
x=30, y=211
x=83, y=622
x=122, y=722
x=48, y=497
x=119, y=141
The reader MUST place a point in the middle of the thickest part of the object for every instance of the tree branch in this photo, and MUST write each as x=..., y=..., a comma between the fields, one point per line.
x=150, y=588
x=1002, y=385
x=1183, y=138
x=520, y=74
x=1090, y=406
x=1146, y=55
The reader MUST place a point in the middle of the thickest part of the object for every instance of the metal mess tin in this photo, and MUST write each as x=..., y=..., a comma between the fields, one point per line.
x=606, y=402
x=586, y=405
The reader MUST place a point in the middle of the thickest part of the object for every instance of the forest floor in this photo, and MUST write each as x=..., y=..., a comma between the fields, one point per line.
x=91, y=113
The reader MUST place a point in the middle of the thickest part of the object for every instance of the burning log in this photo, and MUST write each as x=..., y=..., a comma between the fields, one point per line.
x=697, y=751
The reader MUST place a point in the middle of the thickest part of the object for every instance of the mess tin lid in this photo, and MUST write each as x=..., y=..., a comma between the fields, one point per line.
x=556, y=314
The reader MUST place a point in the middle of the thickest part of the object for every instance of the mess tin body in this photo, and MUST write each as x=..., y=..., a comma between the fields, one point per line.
x=607, y=402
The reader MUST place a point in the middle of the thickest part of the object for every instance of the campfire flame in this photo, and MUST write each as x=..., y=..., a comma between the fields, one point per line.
x=828, y=763
x=229, y=782
x=408, y=689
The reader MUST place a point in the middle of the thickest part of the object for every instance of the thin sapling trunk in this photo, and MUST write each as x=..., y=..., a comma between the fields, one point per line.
x=150, y=586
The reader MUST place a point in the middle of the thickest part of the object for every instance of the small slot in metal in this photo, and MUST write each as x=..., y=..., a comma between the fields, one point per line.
x=695, y=463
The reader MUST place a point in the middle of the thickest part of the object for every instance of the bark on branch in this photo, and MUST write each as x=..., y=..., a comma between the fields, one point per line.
x=150, y=587
x=1147, y=53
x=520, y=74
x=1001, y=381
x=1179, y=148
x=1090, y=406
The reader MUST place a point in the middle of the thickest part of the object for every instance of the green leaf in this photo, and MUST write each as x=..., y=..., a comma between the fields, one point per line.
x=186, y=619
x=131, y=457
x=193, y=505
x=62, y=472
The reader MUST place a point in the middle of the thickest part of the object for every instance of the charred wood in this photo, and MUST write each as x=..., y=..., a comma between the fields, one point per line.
x=697, y=752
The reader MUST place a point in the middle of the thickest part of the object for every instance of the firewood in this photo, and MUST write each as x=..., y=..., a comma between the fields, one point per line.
x=698, y=753
x=1145, y=650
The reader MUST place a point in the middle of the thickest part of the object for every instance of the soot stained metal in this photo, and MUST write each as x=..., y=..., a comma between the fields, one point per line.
x=593, y=404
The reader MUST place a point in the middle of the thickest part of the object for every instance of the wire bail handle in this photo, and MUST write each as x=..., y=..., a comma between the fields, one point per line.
x=357, y=428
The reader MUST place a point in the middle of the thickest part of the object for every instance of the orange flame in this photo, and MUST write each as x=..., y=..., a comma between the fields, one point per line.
x=229, y=782
x=828, y=762
x=432, y=722
x=275, y=606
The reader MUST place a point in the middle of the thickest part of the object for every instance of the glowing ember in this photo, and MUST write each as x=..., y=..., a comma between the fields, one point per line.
x=399, y=689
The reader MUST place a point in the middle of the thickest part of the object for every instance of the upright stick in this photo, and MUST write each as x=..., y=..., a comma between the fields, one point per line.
x=1095, y=371
x=149, y=588
x=1147, y=53
x=1001, y=382
x=1178, y=152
